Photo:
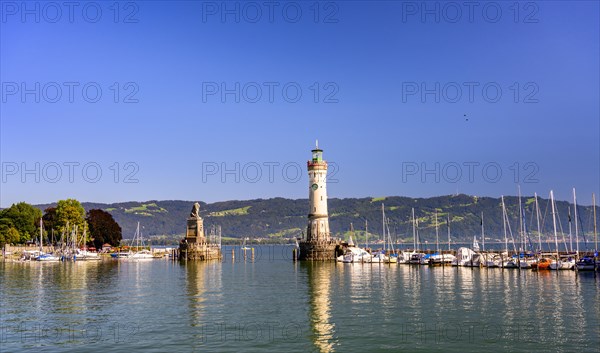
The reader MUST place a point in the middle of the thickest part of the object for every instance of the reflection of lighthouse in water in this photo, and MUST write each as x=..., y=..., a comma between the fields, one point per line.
x=318, y=244
x=323, y=329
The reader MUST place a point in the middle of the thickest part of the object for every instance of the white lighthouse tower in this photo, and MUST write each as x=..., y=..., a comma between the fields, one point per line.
x=318, y=219
x=318, y=245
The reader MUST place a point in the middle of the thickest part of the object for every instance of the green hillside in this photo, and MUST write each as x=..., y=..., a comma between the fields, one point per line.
x=285, y=218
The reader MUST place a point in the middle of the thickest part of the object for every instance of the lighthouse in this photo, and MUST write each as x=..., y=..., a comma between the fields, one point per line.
x=318, y=219
x=318, y=245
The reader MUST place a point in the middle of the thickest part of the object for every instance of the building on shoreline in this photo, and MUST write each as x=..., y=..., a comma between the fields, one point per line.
x=195, y=245
x=318, y=245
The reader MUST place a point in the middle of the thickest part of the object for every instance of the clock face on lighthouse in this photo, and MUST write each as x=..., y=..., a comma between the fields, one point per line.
x=314, y=186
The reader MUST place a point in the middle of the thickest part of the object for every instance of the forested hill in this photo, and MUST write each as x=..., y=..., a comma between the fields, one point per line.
x=285, y=218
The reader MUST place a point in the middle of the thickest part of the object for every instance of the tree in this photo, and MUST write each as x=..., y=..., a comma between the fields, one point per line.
x=103, y=228
x=23, y=218
x=70, y=212
x=50, y=219
x=9, y=235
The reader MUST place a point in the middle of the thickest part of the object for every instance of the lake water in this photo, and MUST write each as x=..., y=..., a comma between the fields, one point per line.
x=273, y=304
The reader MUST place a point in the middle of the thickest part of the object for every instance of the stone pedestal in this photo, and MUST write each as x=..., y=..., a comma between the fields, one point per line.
x=195, y=246
x=195, y=230
x=313, y=250
x=203, y=252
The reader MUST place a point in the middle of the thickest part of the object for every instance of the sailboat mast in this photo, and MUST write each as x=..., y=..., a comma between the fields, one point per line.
x=570, y=229
x=576, y=227
x=504, y=224
x=595, y=231
x=137, y=239
x=389, y=234
x=554, y=222
x=366, y=234
x=41, y=224
x=383, y=224
x=448, y=223
x=521, y=235
x=437, y=238
x=537, y=217
x=414, y=231
x=482, y=233
x=417, y=225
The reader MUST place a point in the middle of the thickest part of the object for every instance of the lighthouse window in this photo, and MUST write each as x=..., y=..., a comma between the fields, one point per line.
x=314, y=209
x=321, y=198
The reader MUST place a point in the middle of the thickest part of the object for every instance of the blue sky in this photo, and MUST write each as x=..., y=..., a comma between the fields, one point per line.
x=361, y=68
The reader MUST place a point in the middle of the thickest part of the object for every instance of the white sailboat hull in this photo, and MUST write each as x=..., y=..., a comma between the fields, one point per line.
x=511, y=264
x=380, y=258
x=47, y=258
x=562, y=265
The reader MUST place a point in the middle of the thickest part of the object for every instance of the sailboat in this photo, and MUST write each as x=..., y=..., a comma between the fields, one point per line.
x=85, y=254
x=416, y=256
x=439, y=259
x=380, y=256
x=484, y=257
x=354, y=253
x=392, y=257
x=137, y=255
x=558, y=263
x=586, y=263
x=347, y=255
x=465, y=256
x=526, y=258
x=43, y=256
x=542, y=263
x=507, y=262
x=476, y=257
x=492, y=259
x=244, y=246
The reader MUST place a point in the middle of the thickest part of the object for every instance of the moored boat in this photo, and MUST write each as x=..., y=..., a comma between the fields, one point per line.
x=86, y=255
x=415, y=259
x=586, y=263
x=464, y=257
x=441, y=259
x=47, y=258
x=493, y=260
x=137, y=255
x=404, y=257
x=527, y=261
x=379, y=257
x=563, y=264
x=542, y=264
x=511, y=262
